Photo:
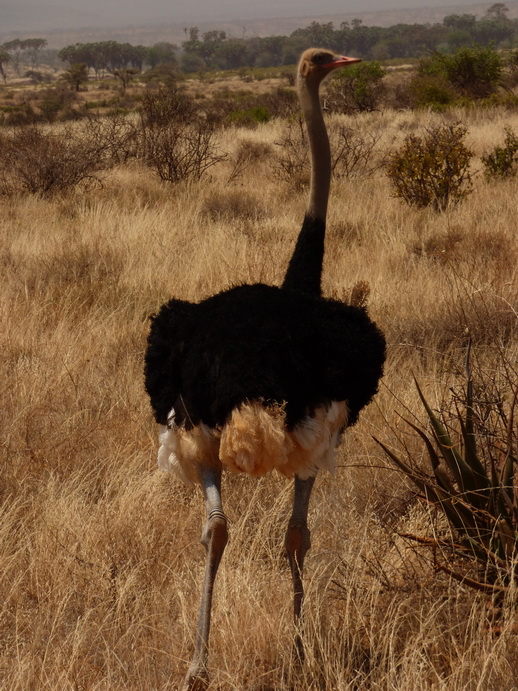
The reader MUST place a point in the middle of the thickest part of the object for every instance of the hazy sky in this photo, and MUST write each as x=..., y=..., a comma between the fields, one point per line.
x=24, y=15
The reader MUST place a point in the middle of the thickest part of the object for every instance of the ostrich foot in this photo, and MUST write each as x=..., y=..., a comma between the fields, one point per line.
x=196, y=680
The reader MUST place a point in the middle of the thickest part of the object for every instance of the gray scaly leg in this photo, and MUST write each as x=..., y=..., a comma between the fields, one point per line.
x=297, y=544
x=214, y=539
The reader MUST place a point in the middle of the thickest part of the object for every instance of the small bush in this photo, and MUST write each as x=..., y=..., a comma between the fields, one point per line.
x=432, y=170
x=472, y=71
x=180, y=151
x=291, y=163
x=432, y=91
x=502, y=162
x=173, y=140
x=357, y=88
x=116, y=135
x=355, y=154
x=249, y=117
x=56, y=104
x=281, y=103
x=41, y=162
x=164, y=105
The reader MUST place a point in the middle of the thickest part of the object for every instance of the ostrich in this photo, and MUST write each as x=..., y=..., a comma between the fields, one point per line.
x=260, y=377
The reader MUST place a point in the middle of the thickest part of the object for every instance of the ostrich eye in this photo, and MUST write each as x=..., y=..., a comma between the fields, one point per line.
x=322, y=58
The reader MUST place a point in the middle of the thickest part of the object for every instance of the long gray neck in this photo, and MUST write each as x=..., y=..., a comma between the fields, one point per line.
x=305, y=268
x=319, y=149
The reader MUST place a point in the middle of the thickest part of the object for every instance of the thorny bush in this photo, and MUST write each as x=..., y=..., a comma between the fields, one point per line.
x=174, y=141
x=354, y=154
x=39, y=161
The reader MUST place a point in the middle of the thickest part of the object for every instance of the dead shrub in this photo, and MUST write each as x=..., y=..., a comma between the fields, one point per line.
x=117, y=135
x=173, y=141
x=353, y=153
x=165, y=105
x=291, y=163
x=180, y=151
x=44, y=162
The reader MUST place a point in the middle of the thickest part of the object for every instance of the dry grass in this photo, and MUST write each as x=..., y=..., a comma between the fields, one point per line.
x=100, y=561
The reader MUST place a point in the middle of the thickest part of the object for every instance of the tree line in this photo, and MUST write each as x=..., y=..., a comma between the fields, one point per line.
x=217, y=50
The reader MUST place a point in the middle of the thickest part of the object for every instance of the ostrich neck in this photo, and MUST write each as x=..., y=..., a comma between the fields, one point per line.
x=305, y=267
x=319, y=150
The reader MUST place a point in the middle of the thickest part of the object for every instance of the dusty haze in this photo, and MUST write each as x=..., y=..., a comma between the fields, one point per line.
x=48, y=16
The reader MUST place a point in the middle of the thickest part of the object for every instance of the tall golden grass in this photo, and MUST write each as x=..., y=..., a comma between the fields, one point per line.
x=100, y=559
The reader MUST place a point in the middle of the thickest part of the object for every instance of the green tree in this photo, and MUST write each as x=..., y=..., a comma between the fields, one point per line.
x=498, y=11
x=14, y=48
x=462, y=22
x=162, y=53
x=317, y=34
x=76, y=75
x=32, y=47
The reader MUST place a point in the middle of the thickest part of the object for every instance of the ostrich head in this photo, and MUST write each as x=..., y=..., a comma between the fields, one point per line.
x=316, y=63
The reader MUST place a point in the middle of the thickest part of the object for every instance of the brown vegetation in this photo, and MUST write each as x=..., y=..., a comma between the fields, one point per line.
x=100, y=559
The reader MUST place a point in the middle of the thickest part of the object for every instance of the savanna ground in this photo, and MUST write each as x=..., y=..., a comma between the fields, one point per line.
x=100, y=558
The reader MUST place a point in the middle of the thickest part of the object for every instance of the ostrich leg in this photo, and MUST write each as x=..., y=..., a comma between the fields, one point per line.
x=214, y=538
x=297, y=543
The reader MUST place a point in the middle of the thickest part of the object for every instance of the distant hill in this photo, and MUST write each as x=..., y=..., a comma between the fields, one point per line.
x=62, y=24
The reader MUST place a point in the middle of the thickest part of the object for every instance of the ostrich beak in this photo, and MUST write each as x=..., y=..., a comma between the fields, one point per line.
x=342, y=61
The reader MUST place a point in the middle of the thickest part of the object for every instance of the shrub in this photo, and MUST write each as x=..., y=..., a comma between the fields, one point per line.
x=281, y=103
x=180, y=151
x=116, y=135
x=353, y=153
x=432, y=170
x=291, y=163
x=35, y=160
x=432, y=91
x=165, y=73
x=357, y=88
x=164, y=105
x=173, y=140
x=473, y=71
x=502, y=162
x=56, y=103
x=249, y=116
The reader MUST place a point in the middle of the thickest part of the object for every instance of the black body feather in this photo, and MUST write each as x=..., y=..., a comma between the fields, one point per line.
x=305, y=268
x=259, y=342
